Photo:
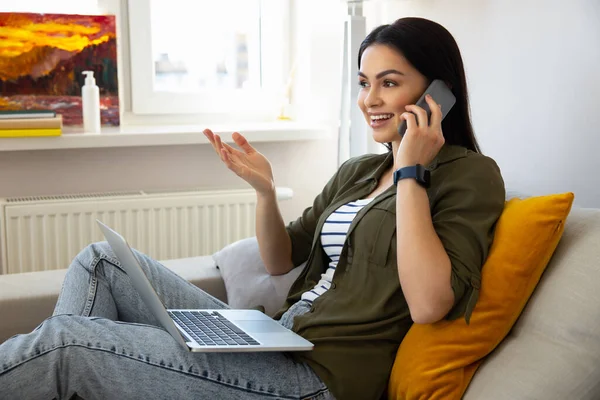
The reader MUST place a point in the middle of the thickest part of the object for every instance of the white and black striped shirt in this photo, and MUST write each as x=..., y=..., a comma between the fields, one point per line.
x=333, y=236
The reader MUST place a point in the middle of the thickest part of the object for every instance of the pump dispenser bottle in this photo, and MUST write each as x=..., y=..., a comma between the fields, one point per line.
x=90, y=96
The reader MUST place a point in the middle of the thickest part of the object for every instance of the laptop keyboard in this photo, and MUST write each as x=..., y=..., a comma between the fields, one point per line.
x=211, y=328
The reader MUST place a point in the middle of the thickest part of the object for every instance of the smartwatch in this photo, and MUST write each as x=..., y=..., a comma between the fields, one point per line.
x=417, y=172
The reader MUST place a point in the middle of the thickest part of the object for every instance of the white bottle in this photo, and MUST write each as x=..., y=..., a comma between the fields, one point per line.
x=90, y=97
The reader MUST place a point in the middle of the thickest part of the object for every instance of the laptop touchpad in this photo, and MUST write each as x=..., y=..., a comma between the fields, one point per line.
x=260, y=326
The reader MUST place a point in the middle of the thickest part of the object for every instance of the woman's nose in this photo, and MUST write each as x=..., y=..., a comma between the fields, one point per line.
x=372, y=99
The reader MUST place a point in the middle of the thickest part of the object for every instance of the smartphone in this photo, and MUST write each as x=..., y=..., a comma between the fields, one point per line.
x=441, y=94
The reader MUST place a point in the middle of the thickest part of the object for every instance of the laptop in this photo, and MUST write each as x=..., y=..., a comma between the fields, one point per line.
x=215, y=330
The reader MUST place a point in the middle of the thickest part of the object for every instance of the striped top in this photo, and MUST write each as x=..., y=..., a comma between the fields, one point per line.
x=333, y=237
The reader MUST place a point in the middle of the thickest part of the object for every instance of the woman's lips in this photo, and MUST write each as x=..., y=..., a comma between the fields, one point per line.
x=378, y=123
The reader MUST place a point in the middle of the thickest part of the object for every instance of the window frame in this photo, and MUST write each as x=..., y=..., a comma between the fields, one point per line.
x=275, y=45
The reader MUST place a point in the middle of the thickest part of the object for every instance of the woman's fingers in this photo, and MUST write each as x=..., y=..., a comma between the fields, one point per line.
x=219, y=146
x=232, y=157
x=237, y=168
x=436, y=111
x=411, y=120
x=209, y=135
x=229, y=162
x=236, y=156
x=212, y=139
x=242, y=143
x=217, y=143
x=233, y=151
x=421, y=120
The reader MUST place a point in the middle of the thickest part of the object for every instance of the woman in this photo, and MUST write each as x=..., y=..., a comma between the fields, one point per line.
x=380, y=257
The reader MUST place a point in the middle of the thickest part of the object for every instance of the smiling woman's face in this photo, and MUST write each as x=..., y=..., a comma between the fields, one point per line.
x=388, y=84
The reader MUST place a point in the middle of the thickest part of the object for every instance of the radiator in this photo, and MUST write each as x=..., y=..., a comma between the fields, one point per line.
x=44, y=233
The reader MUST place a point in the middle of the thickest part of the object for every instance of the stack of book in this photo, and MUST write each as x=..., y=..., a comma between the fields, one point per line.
x=28, y=123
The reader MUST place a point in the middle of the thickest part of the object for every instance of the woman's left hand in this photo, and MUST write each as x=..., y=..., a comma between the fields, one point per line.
x=422, y=140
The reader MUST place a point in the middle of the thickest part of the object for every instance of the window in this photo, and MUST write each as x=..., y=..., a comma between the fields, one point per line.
x=198, y=51
x=208, y=56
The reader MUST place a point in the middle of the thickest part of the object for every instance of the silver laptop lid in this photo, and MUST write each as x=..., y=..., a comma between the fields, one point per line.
x=139, y=280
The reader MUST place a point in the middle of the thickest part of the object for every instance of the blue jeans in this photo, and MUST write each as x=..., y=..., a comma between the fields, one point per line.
x=103, y=343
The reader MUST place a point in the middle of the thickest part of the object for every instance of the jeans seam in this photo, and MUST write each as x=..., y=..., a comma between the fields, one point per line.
x=131, y=357
x=91, y=296
x=59, y=300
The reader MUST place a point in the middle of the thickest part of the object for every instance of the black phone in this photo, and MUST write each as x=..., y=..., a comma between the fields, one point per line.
x=441, y=94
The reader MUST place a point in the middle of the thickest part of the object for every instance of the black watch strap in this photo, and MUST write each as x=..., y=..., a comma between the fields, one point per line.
x=417, y=172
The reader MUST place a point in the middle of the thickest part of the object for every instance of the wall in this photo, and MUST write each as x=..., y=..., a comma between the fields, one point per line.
x=533, y=69
x=28, y=173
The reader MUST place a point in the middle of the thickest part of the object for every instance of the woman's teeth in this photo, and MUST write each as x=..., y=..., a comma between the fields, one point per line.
x=381, y=117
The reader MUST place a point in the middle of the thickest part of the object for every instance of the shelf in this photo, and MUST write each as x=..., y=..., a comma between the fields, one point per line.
x=162, y=135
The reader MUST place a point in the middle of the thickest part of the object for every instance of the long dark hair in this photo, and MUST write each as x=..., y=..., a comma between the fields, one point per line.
x=432, y=50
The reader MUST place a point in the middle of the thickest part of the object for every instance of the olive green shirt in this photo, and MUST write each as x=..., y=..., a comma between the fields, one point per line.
x=357, y=325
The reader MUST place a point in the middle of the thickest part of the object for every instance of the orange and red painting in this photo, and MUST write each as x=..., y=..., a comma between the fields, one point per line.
x=42, y=57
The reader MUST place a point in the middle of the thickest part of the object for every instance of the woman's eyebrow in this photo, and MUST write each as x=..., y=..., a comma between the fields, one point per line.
x=382, y=73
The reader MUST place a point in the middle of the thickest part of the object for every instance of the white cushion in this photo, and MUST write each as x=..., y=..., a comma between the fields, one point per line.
x=247, y=282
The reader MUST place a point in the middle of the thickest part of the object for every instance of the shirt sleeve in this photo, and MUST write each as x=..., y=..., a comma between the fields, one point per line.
x=469, y=202
x=302, y=230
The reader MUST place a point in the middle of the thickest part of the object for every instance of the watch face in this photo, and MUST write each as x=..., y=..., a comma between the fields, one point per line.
x=423, y=176
x=426, y=177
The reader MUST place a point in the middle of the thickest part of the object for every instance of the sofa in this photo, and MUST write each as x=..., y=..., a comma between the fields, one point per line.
x=552, y=352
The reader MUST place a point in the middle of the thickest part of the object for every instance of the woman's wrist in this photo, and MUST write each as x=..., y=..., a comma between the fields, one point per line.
x=408, y=185
x=270, y=194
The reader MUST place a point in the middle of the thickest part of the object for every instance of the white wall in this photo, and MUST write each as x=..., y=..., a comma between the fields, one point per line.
x=533, y=69
x=54, y=172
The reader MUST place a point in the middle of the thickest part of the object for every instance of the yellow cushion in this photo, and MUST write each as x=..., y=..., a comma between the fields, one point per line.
x=437, y=361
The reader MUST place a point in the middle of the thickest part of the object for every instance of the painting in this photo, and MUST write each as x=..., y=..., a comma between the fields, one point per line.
x=42, y=57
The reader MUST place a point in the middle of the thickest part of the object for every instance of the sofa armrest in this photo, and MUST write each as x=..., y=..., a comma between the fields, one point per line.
x=27, y=299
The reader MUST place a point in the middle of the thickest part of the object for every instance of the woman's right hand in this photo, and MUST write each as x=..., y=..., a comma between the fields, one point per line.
x=248, y=164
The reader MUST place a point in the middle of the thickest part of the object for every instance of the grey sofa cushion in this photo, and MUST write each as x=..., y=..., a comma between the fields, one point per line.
x=512, y=193
x=553, y=351
x=247, y=281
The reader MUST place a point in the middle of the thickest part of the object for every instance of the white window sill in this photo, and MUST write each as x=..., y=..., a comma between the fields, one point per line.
x=161, y=135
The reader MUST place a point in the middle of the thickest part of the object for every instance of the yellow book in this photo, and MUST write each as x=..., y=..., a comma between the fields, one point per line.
x=29, y=132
